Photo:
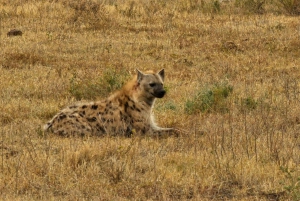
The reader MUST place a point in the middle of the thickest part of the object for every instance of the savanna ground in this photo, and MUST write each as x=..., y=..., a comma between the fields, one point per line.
x=232, y=77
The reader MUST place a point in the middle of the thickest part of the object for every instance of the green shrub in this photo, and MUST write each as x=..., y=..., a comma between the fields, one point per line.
x=87, y=88
x=291, y=7
x=210, y=6
x=248, y=104
x=251, y=6
x=169, y=105
x=212, y=99
x=293, y=184
x=216, y=6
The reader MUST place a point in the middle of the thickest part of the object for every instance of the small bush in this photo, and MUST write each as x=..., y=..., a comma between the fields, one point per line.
x=251, y=6
x=210, y=6
x=188, y=5
x=87, y=88
x=22, y=60
x=293, y=184
x=291, y=7
x=248, y=104
x=213, y=99
x=216, y=6
x=170, y=105
x=130, y=11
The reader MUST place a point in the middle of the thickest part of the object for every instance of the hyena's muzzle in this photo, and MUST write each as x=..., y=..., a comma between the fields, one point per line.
x=159, y=91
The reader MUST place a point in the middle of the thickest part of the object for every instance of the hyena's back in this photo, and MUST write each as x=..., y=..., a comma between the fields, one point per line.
x=97, y=118
x=76, y=119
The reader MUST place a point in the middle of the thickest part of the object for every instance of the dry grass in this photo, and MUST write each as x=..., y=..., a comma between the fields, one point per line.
x=243, y=146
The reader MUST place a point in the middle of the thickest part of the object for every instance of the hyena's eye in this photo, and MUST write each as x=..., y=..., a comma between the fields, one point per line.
x=152, y=84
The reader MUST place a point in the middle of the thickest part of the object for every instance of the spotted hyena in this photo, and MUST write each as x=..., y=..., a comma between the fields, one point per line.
x=124, y=112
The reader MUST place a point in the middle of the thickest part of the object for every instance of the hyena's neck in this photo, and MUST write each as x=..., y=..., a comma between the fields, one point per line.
x=149, y=102
x=137, y=99
x=133, y=91
x=141, y=98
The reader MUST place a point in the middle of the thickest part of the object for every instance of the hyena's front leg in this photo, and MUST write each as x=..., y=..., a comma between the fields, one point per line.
x=158, y=131
x=169, y=131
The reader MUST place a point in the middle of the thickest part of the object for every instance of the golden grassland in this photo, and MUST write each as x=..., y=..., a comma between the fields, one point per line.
x=232, y=77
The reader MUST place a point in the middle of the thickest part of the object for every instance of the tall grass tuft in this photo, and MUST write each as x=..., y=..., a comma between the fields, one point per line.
x=251, y=6
x=211, y=99
x=291, y=7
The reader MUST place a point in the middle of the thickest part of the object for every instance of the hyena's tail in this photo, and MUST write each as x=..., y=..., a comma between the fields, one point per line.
x=50, y=123
x=47, y=126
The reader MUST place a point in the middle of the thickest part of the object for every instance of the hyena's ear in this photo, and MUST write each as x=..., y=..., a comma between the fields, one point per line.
x=161, y=73
x=140, y=76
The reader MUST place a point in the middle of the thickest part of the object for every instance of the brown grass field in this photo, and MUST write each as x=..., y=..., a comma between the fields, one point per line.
x=232, y=80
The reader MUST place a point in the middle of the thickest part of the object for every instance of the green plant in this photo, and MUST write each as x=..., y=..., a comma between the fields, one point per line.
x=20, y=60
x=211, y=6
x=113, y=79
x=251, y=6
x=216, y=7
x=292, y=7
x=248, y=103
x=170, y=105
x=129, y=11
x=211, y=99
x=293, y=186
x=85, y=88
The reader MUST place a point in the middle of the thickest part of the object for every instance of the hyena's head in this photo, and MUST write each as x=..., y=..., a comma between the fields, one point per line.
x=151, y=85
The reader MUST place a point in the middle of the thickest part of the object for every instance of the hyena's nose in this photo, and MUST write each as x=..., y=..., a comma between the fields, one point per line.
x=160, y=94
